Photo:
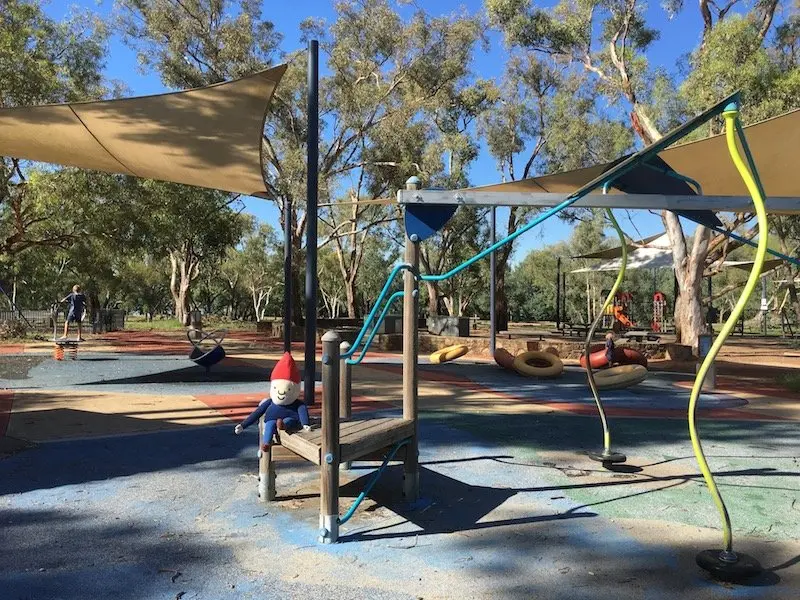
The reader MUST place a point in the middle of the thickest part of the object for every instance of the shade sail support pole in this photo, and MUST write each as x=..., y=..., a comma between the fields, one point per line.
x=312, y=166
x=287, y=275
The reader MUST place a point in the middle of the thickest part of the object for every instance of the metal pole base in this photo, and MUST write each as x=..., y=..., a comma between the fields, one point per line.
x=606, y=456
x=728, y=566
x=411, y=486
x=328, y=529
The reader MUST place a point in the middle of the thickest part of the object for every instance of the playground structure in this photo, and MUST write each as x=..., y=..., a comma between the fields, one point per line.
x=658, y=324
x=616, y=316
x=423, y=218
x=340, y=439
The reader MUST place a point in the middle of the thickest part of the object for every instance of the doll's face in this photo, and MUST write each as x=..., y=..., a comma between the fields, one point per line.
x=284, y=391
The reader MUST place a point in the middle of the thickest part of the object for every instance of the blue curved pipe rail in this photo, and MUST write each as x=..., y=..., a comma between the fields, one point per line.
x=353, y=507
x=368, y=343
x=373, y=312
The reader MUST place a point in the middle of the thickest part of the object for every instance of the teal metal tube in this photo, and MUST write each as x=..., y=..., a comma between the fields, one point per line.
x=371, y=316
x=353, y=507
x=372, y=333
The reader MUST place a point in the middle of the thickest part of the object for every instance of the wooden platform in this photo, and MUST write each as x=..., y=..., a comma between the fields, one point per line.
x=357, y=438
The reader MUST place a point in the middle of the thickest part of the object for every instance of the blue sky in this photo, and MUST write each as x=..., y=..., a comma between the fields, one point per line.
x=678, y=36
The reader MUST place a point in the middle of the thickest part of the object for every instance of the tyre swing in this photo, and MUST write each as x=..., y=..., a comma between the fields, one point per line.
x=447, y=354
x=538, y=364
x=615, y=377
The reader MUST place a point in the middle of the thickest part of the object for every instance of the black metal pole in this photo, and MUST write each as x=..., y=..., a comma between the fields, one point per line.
x=493, y=286
x=287, y=275
x=312, y=166
x=764, y=312
x=558, y=293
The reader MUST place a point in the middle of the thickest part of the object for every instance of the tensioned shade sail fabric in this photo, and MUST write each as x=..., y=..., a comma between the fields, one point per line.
x=208, y=137
x=774, y=144
x=660, y=261
x=615, y=252
x=657, y=254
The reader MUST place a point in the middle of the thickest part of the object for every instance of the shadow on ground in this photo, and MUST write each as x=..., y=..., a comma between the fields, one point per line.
x=70, y=462
x=73, y=555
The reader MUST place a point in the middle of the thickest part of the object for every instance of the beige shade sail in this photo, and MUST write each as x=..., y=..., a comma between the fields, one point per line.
x=774, y=144
x=656, y=253
x=208, y=137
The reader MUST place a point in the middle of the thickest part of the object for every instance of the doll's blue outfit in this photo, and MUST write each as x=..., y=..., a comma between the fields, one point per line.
x=294, y=416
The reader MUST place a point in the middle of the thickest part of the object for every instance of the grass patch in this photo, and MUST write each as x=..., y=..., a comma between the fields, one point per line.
x=142, y=324
x=139, y=323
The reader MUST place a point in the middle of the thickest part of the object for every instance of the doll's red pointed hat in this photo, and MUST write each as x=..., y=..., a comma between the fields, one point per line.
x=286, y=369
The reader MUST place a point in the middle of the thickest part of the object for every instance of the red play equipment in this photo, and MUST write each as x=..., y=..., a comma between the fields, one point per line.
x=659, y=306
x=622, y=355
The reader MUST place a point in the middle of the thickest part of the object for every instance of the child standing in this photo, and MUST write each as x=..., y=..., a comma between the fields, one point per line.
x=77, y=305
x=610, y=348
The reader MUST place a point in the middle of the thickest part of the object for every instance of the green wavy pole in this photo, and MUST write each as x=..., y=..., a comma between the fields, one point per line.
x=593, y=328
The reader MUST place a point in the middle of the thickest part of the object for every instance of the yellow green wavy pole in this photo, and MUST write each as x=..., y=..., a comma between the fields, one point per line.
x=596, y=322
x=731, y=117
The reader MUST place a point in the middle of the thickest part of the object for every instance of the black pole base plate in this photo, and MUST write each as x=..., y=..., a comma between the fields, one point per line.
x=743, y=566
x=607, y=457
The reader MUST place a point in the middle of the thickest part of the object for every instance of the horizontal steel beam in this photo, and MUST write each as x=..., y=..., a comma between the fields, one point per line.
x=781, y=205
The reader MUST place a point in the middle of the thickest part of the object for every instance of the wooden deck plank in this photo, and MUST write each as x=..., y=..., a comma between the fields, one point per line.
x=345, y=427
x=299, y=445
x=366, y=426
x=376, y=439
x=359, y=438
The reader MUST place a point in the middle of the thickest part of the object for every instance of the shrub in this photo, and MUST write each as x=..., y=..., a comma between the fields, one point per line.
x=12, y=329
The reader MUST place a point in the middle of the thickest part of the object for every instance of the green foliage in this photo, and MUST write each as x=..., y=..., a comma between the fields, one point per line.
x=197, y=42
x=12, y=329
x=733, y=58
x=42, y=61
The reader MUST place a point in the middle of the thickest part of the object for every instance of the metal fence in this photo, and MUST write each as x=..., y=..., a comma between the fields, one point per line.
x=42, y=320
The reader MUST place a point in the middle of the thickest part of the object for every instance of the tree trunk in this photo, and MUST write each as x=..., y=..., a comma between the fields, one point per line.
x=433, y=297
x=449, y=304
x=500, y=299
x=179, y=287
x=689, y=322
x=350, y=292
x=502, y=256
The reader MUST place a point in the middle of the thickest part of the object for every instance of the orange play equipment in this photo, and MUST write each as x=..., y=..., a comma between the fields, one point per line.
x=617, y=312
x=620, y=316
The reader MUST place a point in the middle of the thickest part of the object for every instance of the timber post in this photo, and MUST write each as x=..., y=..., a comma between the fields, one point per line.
x=345, y=388
x=329, y=467
x=410, y=360
x=266, y=468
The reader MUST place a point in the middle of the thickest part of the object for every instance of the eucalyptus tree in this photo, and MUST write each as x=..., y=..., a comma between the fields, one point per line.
x=610, y=41
x=546, y=120
x=43, y=61
x=383, y=74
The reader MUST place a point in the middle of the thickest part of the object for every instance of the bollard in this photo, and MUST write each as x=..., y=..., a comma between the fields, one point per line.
x=704, y=341
x=345, y=390
x=266, y=468
x=329, y=469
